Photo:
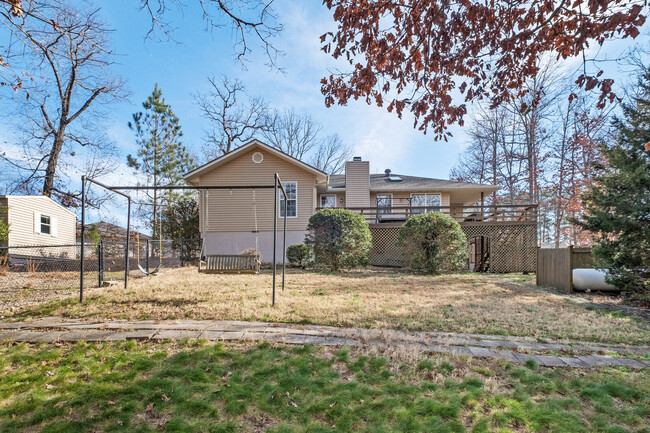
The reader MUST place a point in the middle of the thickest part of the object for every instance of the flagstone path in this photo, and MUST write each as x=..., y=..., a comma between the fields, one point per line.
x=513, y=349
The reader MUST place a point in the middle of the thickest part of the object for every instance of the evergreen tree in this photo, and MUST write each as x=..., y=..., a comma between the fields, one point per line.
x=181, y=225
x=4, y=227
x=161, y=156
x=618, y=206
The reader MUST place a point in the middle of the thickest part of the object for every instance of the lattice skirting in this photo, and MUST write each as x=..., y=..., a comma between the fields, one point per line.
x=384, y=251
x=513, y=248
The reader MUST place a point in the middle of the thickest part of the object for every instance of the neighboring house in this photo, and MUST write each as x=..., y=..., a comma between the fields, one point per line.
x=233, y=220
x=110, y=232
x=37, y=220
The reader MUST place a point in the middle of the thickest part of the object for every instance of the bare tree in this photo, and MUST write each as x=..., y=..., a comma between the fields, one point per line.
x=234, y=118
x=492, y=156
x=331, y=154
x=72, y=58
x=292, y=133
x=533, y=112
x=247, y=18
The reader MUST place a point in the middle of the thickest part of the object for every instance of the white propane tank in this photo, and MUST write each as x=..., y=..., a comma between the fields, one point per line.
x=591, y=280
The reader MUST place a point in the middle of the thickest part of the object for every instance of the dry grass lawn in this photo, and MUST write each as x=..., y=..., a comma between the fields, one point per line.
x=468, y=303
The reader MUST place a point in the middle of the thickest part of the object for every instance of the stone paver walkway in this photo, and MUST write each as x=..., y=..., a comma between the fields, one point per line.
x=52, y=329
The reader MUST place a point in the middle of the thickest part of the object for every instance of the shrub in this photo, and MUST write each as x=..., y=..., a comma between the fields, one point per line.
x=4, y=227
x=340, y=238
x=433, y=243
x=298, y=254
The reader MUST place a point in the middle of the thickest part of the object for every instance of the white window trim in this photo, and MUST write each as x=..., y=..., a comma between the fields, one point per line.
x=38, y=224
x=425, y=199
x=281, y=196
x=328, y=195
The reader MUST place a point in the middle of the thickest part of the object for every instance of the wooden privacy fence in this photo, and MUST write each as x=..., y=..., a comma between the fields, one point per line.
x=555, y=266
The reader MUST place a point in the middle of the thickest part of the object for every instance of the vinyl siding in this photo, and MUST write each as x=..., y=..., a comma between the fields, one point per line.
x=233, y=210
x=21, y=221
x=357, y=184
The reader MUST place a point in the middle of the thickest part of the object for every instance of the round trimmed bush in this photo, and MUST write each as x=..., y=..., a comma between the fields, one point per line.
x=340, y=238
x=433, y=243
x=298, y=254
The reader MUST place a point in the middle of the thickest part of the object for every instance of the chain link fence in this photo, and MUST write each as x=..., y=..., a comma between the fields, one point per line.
x=35, y=273
x=30, y=275
x=148, y=255
x=47, y=267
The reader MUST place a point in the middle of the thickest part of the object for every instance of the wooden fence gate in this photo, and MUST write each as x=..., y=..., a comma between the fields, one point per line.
x=555, y=266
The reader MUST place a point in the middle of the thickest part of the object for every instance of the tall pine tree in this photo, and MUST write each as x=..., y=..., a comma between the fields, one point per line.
x=161, y=156
x=618, y=205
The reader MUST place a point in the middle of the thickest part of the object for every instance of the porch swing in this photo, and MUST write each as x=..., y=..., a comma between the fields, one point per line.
x=232, y=263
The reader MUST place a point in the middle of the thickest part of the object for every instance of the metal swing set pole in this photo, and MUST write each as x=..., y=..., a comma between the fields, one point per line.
x=278, y=183
x=116, y=189
x=84, y=179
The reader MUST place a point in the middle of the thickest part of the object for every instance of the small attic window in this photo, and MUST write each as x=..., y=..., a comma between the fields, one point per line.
x=394, y=179
x=258, y=158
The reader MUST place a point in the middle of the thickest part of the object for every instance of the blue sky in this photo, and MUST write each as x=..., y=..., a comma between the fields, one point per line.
x=181, y=70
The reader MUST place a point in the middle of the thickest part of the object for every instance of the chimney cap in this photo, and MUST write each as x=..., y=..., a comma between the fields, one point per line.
x=356, y=158
x=387, y=172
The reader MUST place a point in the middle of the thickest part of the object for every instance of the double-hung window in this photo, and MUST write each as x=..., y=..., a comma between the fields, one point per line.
x=327, y=201
x=46, y=225
x=425, y=201
x=291, y=189
x=384, y=203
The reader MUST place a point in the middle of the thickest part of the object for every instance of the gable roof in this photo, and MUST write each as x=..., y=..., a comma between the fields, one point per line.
x=241, y=150
x=379, y=182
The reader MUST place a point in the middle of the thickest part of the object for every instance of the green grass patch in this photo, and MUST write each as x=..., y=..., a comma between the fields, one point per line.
x=196, y=386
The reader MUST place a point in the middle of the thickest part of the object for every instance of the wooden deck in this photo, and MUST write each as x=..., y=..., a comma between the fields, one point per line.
x=507, y=233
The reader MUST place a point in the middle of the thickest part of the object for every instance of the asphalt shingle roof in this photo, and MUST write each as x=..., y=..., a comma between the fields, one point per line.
x=381, y=182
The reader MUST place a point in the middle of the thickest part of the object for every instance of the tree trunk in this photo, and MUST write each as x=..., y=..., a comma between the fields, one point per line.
x=52, y=162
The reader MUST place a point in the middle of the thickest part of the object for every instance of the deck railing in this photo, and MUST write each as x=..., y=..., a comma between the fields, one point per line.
x=515, y=213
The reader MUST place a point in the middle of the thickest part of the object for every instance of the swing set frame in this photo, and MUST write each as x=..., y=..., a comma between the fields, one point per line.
x=276, y=186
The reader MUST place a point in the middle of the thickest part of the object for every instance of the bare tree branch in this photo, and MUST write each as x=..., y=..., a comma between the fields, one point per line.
x=233, y=122
x=69, y=52
x=247, y=18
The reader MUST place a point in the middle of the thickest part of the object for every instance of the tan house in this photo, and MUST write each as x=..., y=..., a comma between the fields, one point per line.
x=233, y=220
x=37, y=220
